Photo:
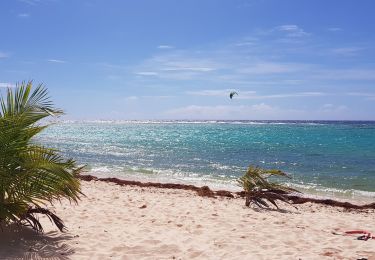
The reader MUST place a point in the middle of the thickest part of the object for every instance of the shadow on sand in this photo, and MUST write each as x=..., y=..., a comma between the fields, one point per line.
x=17, y=242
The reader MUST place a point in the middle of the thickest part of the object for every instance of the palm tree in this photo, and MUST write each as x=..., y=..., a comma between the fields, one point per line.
x=31, y=175
x=258, y=189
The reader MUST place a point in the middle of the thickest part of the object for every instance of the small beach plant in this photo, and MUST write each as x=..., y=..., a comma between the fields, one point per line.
x=31, y=175
x=259, y=190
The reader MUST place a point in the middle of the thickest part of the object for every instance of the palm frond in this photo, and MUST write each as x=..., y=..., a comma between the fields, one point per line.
x=33, y=221
x=31, y=175
x=259, y=189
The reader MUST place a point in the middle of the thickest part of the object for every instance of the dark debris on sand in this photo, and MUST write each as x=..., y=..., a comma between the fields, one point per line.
x=205, y=191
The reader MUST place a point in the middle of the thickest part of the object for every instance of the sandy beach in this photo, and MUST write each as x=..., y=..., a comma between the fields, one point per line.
x=129, y=222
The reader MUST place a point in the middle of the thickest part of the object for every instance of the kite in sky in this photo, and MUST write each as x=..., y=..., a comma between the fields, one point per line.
x=232, y=94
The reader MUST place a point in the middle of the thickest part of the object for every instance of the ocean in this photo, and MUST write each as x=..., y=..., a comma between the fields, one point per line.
x=333, y=158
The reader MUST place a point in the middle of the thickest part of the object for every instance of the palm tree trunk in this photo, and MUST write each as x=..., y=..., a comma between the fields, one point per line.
x=247, y=202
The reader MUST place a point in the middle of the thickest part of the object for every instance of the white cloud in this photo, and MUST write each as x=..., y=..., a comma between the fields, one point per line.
x=213, y=93
x=344, y=74
x=110, y=66
x=158, y=97
x=226, y=64
x=182, y=62
x=147, y=73
x=226, y=112
x=271, y=68
x=332, y=109
x=261, y=69
x=292, y=30
x=165, y=47
x=4, y=55
x=7, y=85
x=114, y=77
x=347, y=51
x=131, y=98
x=361, y=94
x=198, y=69
x=56, y=61
x=286, y=95
x=245, y=43
x=334, y=29
x=23, y=15
x=261, y=111
x=292, y=81
x=253, y=94
x=177, y=65
x=249, y=41
x=366, y=95
x=30, y=2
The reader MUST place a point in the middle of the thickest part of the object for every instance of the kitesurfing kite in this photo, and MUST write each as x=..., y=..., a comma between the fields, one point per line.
x=232, y=94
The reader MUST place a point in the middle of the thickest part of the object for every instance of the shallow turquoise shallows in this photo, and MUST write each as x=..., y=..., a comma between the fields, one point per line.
x=330, y=157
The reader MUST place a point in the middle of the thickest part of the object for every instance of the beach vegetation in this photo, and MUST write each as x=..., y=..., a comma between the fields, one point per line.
x=260, y=190
x=32, y=176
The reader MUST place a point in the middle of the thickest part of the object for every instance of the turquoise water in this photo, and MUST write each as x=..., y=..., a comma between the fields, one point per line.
x=331, y=157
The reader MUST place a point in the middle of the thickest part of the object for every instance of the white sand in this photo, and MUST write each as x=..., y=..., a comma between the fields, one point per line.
x=110, y=223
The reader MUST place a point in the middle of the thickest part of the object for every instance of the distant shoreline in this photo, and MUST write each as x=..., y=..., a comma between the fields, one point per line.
x=329, y=121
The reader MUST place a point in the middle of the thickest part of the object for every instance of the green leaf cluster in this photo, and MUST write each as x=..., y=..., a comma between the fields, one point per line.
x=260, y=190
x=31, y=175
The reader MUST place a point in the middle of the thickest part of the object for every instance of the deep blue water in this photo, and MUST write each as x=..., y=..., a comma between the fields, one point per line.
x=334, y=157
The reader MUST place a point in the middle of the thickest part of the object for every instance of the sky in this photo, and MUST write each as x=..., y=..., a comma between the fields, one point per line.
x=167, y=59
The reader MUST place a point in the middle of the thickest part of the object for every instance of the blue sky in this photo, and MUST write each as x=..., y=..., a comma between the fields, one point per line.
x=292, y=59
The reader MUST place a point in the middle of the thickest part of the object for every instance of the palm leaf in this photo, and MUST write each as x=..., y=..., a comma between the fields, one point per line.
x=31, y=175
x=259, y=189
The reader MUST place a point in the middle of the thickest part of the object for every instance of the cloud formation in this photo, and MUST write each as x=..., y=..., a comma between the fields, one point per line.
x=259, y=111
x=165, y=47
x=254, y=94
x=146, y=73
x=56, y=61
x=239, y=112
x=334, y=29
x=347, y=51
x=23, y=15
x=292, y=30
x=366, y=95
x=30, y=2
x=7, y=85
x=4, y=55
x=271, y=68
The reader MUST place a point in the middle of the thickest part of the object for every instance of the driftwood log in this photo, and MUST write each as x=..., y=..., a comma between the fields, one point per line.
x=205, y=191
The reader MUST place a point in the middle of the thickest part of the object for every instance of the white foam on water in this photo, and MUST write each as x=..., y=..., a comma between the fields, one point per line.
x=334, y=193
